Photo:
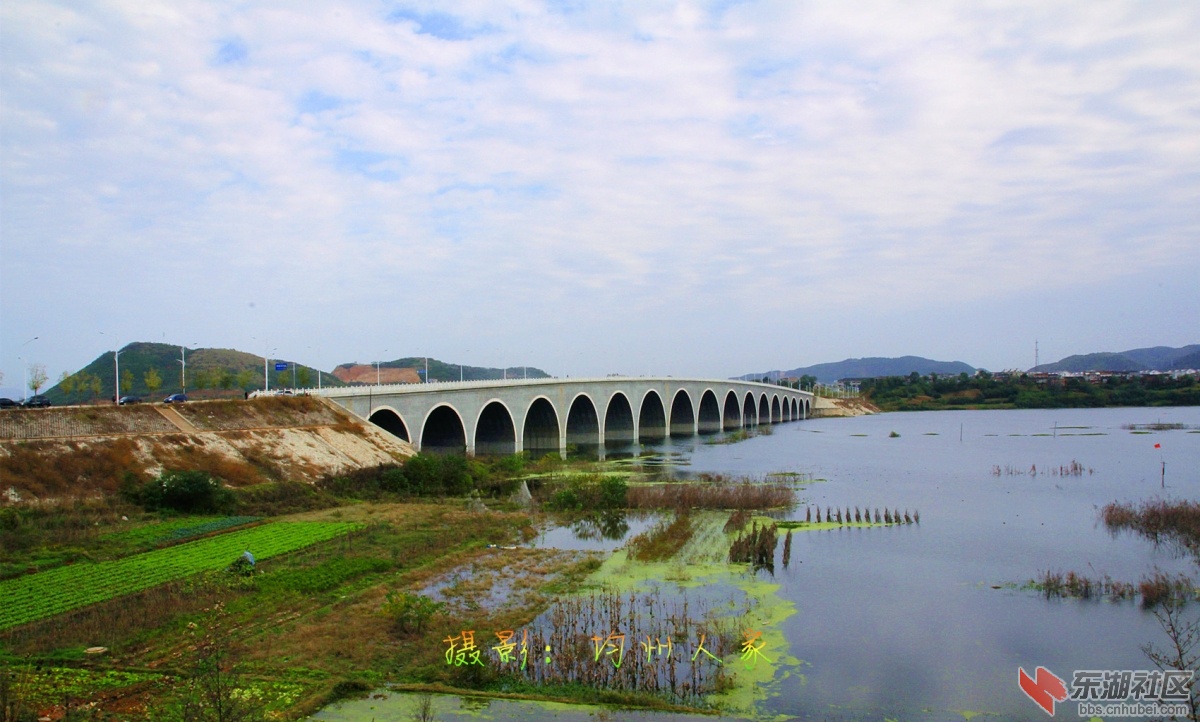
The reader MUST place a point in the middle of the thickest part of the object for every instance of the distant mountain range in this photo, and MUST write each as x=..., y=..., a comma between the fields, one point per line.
x=863, y=368
x=1156, y=358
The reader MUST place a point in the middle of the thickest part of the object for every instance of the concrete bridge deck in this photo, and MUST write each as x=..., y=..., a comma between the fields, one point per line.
x=546, y=415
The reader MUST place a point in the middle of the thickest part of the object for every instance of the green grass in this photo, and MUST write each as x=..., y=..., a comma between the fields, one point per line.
x=37, y=596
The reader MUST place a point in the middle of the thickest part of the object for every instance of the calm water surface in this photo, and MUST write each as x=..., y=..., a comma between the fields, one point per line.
x=904, y=622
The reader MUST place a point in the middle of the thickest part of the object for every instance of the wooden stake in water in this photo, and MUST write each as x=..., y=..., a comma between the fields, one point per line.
x=1164, y=475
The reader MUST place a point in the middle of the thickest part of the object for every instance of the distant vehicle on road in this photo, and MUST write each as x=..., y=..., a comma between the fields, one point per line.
x=175, y=399
x=8, y=404
x=36, y=402
x=127, y=400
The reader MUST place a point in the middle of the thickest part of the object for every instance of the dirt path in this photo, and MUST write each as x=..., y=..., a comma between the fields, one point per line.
x=173, y=416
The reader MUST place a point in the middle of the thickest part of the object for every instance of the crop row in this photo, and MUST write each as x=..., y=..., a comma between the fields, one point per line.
x=175, y=529
x=37, y=596
x=207, y=527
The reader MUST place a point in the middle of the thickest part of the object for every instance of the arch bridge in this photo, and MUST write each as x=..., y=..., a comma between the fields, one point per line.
x=546, y=415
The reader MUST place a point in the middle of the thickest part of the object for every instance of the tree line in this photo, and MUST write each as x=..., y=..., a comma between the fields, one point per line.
x=984, y=390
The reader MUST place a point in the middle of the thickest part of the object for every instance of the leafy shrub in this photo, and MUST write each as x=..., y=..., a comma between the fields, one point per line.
x=589, y=492
x=190, y=492
x=425, y=475
x=409, y=612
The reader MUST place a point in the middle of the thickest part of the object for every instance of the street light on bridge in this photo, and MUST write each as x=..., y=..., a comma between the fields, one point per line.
x=25, y=369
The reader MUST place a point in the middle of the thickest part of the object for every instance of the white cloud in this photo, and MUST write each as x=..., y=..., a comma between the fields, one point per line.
x=644, y=158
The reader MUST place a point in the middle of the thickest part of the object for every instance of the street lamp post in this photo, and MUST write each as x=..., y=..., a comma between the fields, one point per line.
x=116, y=371
x=183, y=368
x=25, y=369
x=117, y=376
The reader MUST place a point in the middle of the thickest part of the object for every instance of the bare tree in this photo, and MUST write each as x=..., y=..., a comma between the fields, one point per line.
x=1181, y=651
x=214, y=690
x=37, y=377
x=424, y=710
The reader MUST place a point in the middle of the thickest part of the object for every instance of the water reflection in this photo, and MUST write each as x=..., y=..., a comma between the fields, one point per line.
x=609, y=524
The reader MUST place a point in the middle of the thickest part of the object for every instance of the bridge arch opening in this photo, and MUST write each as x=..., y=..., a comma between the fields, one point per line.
x=390, y=422
x=709, y=421
x=495, y=433
x=776, y=412
x=683, y=418
x=795, y=410
x=731, y=416
x=618, y=420
x=540, y=434
x=787, y=408
x=652, y=417
x=583, y=424
x=443, y=432
x=764, y=410
x=749, y=412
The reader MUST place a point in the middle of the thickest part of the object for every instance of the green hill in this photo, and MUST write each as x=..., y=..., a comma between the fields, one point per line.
x=862, y=368
x=444, y=371
x=208, y=369
x=1156, y=358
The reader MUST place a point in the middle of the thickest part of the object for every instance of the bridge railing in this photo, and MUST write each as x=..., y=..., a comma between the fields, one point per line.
x=426, y=386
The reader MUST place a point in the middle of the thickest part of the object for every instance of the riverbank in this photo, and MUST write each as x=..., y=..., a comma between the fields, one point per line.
x=825, y=407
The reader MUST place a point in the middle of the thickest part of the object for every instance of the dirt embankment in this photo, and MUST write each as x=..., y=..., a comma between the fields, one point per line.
x=823, y=407
x=80, y=451
x=368, y=374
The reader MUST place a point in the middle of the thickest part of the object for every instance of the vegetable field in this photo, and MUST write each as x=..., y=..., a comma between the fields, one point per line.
x=36, y=596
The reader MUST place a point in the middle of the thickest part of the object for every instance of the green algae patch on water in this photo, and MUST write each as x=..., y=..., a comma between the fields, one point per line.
x=402, y=705
x=762, y=656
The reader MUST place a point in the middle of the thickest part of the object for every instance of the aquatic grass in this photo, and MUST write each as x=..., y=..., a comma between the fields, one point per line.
x=1154, y=590
x=737, y=521
x=1072, y=469
x=646, y=642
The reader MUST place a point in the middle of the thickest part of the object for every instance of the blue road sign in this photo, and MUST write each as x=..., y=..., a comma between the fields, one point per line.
x=281, y=366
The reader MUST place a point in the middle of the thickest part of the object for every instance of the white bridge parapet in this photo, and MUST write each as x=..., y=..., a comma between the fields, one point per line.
x=548, y=414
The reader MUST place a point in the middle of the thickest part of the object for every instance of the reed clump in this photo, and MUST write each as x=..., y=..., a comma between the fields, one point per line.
x=719, y=494
x=1174, y=522
x=755, y=547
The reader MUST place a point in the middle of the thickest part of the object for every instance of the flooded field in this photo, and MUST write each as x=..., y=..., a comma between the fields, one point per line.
x=924, y=621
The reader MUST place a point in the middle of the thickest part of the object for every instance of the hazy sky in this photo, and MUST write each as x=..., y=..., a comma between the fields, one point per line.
x=684, y=188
